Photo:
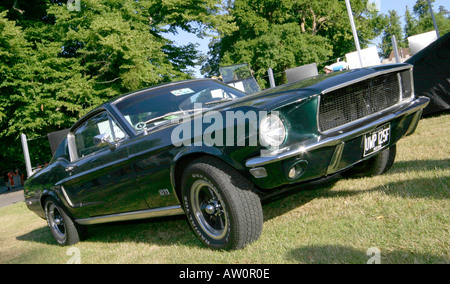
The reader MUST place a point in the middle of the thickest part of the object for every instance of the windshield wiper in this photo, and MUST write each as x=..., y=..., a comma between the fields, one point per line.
x=163, y=117
x=218, y=101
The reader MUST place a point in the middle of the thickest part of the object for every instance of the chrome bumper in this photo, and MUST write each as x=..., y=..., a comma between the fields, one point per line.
x=345, y=133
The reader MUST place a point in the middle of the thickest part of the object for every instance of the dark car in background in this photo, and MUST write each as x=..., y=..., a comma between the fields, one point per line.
x=209, y=151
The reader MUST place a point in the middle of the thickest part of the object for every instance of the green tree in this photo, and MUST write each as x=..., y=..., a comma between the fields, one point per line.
x=115, y=45
x=14, y=54
x=57, y=64
x=421, y=8
x=421, y=20
x=444, y=11
x=393, y=28
x=289, y=33
x=410, y=28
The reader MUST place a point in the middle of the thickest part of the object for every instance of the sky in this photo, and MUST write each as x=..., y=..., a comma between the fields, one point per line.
x=183, y=38
x=399, y=5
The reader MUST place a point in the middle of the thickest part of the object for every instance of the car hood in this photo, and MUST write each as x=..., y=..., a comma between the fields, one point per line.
x=274, y=98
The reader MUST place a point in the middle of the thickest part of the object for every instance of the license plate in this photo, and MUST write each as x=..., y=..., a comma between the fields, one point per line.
x=377, y=139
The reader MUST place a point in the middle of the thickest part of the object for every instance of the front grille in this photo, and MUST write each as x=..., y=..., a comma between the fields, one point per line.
x=358, y=100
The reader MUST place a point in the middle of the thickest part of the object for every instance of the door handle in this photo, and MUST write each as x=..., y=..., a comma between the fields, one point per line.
x=71, y=168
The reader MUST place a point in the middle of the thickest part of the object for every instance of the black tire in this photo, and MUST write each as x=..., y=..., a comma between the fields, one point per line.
x=220, y=205
x=391, y=159
x=65, y=231
x=374, y=166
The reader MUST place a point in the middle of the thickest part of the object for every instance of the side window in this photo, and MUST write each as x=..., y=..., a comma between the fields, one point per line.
x=91, y=136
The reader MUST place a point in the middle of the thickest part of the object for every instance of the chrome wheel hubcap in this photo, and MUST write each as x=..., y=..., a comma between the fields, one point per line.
x=209, y=209
x=56, y=221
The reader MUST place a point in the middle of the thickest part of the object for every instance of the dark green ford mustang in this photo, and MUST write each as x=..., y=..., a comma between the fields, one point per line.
x=209, y=151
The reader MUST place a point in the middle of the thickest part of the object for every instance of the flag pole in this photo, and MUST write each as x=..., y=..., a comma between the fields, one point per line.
x=355, y=34
x=434, y=19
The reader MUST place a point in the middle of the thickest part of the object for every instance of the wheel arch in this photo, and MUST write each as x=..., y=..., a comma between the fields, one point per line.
x=46, y=194
x=186, y=156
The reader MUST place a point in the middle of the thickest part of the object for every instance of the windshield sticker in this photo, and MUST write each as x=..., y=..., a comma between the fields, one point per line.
x=182, y=92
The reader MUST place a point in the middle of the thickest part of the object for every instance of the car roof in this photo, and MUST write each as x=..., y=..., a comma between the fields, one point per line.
x=120, y=97
x=106, y=105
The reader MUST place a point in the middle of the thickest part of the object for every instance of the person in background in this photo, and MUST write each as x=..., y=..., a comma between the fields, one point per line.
x=6, y=180
x=11, y=178
x=21, y=178
x=18, y=177
x=338, y=66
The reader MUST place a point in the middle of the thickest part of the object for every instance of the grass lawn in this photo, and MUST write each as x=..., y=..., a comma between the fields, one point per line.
x=400, y=217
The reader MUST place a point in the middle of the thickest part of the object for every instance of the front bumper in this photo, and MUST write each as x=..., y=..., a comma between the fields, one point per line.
x=334, y=151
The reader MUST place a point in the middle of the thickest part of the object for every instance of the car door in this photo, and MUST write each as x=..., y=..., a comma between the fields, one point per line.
x=152, y=160
x=100, y=179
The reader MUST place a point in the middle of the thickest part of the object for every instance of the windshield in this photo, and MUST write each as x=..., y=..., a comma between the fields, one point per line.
x=163, y=104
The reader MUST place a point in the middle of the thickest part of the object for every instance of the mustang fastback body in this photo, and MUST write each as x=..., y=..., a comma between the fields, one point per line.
x=209, y=151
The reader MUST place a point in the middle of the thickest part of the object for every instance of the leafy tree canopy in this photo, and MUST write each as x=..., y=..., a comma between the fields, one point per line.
x=420, y=20
x=416, y=22
x=59, y=62
x=282, y=34
x=393, y=28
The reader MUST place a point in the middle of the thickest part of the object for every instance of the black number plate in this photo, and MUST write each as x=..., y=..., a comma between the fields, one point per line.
x=377, y=140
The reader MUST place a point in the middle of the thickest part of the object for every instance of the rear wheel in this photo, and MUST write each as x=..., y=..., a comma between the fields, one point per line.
x=65, y=231
x=220, y=206
x=374, y=166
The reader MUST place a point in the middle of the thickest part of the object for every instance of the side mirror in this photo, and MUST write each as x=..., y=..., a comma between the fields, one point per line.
x=103, y=140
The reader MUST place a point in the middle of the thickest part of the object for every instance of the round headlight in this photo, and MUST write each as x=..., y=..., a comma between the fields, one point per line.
x=272, y=131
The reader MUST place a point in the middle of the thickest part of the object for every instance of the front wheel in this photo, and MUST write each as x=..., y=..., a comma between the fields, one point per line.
x=220, y=205
x=65, y=231
x=374, y=166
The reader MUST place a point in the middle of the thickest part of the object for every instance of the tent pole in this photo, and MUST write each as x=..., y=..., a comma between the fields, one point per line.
x=26, y=154
x=434, y=19
x=355, y=34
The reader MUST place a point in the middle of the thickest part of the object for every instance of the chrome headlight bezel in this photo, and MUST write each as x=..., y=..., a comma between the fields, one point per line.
x=272, y=131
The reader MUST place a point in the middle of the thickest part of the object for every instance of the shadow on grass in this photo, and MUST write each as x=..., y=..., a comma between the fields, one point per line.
x=337, y=254
x=422, y=165
x=166, y=231
x=158, y=231
x=41, y=235
x=431, y=188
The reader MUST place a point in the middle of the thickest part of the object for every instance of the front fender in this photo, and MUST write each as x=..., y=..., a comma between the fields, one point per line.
x=188, y=154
